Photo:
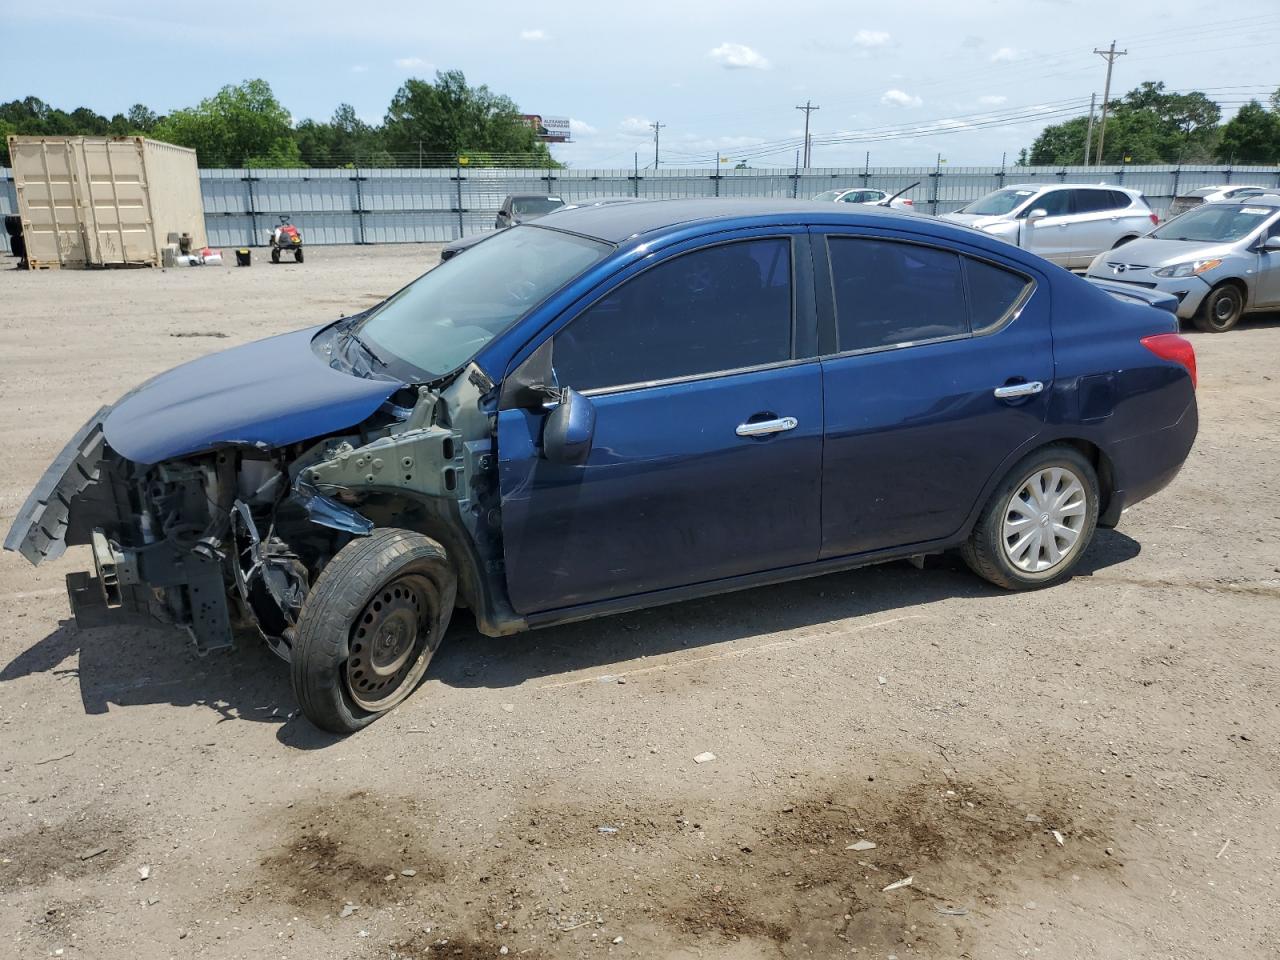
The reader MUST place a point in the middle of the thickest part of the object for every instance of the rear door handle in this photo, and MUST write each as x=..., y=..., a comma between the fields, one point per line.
x=762, y=428
x=1011, y=390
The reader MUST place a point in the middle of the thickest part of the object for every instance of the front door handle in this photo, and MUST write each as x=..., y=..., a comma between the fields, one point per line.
x=1011, y=390
x=762, y=428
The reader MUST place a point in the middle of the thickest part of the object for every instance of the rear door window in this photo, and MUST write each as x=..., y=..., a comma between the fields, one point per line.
x=1093, y=201
x=720, y=308
x=889, y=293
x=892, y=294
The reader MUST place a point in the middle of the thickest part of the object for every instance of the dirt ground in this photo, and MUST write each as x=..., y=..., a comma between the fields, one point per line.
x=1088, y=771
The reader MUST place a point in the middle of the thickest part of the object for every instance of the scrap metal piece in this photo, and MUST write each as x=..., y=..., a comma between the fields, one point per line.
x=328, y=512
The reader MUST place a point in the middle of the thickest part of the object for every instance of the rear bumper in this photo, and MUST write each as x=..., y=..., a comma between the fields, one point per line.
x=1146, y=464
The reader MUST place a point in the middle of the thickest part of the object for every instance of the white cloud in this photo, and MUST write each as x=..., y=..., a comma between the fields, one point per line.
x=737, y=56
x=871, y=38
x=580, y=127
x=533, y=34
x=412, y=63
x=359, y=68
x=992, y=100
x=635, y=127
x=1006, y=55
x=900, y=98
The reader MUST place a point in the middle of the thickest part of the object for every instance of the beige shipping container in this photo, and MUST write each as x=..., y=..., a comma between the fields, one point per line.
x=104, y=201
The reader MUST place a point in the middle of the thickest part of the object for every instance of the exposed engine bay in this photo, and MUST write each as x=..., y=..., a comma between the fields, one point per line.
x=229, y=541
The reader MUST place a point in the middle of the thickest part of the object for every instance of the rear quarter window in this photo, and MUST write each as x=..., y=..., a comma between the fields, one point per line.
x=994, y=293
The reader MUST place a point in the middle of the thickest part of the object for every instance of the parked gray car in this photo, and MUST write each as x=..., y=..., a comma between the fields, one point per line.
x=1221, y=260
x=523, y=207
x=1193, y=198
x=1068, y=224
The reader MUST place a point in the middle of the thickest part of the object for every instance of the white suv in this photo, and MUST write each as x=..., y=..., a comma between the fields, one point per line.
x=1069, y=224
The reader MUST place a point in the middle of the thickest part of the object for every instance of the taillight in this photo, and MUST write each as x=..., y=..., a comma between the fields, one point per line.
x=1170, y=346
x=1155, y=220
x=909, y=203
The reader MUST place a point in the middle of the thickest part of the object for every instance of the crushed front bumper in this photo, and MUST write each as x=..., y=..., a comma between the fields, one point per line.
x=79, y=501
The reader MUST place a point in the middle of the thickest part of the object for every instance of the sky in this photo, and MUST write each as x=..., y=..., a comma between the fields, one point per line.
x=908, y=82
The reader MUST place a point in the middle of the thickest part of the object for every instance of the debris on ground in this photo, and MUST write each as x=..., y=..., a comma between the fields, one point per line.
x=408, y=872
x=899, y=884
x=1058, y=838
x=1032, y=818
x=861, y=845
x=704, y=757
x=953, y=911
x=144, y=871
x=348, y=910
x=94, y=852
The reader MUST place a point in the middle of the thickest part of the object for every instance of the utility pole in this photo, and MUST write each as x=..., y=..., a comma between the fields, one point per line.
x=1109, y=56
x=1088, y=135
x=657, y=130
x=808, y=108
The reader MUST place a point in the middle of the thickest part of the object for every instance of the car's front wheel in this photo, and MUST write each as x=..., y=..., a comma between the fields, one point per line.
x=1038, y=522
x=369, y=628
x=1221, y=310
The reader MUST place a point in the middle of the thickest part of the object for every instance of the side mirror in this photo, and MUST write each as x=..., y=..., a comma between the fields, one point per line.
x=1039, y=213
x=1271, y=244
x=570, y=429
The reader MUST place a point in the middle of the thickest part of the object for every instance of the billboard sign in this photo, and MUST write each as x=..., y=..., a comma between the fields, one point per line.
x=548, y=129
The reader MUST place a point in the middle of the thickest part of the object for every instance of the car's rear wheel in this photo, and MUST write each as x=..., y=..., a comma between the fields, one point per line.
x=1221, y=310
x=1038, y=522
x=369, y=628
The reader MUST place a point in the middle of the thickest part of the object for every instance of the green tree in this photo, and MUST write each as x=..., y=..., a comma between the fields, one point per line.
x=241, y=125
x=448, y=117
x=345, y=140
x=1147, y=125
x=1251, y=136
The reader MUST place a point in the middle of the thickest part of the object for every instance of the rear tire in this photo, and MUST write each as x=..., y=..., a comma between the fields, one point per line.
x=369, y=628
x=1221, y=310
x=297, y=255
x=1037, y=523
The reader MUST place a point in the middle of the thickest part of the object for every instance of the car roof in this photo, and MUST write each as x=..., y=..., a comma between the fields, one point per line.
x=1071, y=186
x=1261, y=200
x=616, y=222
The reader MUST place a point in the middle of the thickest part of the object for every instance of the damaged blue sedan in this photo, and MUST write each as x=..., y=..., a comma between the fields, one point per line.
x=612, y=408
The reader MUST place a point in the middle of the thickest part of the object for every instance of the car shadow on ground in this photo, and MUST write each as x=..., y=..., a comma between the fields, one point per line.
x=126, y=666
x=469, y=659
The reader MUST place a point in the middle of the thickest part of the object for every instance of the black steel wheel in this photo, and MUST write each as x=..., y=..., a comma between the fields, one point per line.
x=369, y=628
x=1221, y=310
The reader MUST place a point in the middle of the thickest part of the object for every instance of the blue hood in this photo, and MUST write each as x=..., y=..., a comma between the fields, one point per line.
x=269, y=393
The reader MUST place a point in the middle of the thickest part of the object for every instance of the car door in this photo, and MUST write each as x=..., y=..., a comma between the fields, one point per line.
x=1049, y=237
x=707, y=450
x=1267, y=287
x=938, y=368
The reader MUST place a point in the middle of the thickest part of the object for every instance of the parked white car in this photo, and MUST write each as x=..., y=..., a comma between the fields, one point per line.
x=1069, y=224
x=1193, y=198
x=874, y=198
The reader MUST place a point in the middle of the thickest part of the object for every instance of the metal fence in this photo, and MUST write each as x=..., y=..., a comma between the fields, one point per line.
x=399, y=205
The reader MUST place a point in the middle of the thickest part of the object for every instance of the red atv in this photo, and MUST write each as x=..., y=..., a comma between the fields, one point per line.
x=286, y=237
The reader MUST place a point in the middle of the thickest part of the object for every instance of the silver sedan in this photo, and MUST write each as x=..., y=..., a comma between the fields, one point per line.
x=1221, y=260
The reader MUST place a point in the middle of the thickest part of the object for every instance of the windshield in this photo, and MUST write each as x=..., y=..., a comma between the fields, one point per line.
x=1215, y=223
x=535, y=206
x=829, y=195
x=446, y=316
x=999, y=203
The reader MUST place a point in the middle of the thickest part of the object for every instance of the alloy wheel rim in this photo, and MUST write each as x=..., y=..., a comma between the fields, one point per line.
x=388, y=646
x=1044, y=519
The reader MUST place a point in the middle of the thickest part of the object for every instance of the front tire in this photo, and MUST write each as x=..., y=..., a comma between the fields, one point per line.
x=275, y=254
x=297, y=255
x=1221, y=310
x=1038, y=522
x=369, y=628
